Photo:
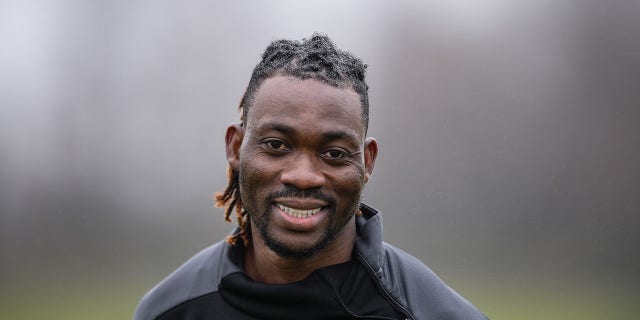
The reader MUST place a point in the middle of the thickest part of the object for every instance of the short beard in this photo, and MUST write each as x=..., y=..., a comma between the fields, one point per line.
x=284, y=251
x=281, y=248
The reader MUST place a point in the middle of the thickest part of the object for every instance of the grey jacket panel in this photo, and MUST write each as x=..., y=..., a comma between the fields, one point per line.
x=413, y=286
x=410, y=284
x=198, y=276
x=423, y=293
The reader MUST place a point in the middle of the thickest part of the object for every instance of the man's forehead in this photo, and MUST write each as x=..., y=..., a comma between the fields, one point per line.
x=306, y=126
x=293, y=99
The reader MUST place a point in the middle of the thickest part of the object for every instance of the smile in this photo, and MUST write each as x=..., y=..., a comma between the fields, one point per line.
x=297, y=212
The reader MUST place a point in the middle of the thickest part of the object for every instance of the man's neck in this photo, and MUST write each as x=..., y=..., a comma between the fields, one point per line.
x=264, y=265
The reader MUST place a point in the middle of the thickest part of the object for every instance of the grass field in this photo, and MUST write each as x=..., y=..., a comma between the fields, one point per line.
x=559, y=301
x=499, y=300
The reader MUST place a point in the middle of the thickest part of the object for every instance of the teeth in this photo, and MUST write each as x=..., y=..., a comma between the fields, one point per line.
x=297, y=212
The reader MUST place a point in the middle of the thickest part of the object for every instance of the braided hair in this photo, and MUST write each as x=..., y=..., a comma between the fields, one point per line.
x=314, y=58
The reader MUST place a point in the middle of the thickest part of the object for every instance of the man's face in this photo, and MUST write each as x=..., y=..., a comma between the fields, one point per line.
x=303, y=162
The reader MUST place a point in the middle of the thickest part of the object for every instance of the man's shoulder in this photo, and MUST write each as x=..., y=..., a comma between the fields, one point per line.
x=198, y=276
x=416, y=286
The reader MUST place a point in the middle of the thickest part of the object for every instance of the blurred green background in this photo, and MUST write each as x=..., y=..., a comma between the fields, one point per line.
x=509, y=137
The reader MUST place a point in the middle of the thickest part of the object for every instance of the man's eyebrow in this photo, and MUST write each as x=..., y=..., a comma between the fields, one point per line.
x=340, y=135
x=276, y=126
x=329, y=135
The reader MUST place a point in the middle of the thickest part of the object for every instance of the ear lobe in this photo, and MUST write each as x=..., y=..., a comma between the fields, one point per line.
x=370, y=154
x=233, y=141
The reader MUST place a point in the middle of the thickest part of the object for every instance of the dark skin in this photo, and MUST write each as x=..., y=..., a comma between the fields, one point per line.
x=303, y=161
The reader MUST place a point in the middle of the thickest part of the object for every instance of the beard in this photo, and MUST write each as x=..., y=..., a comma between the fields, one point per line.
x=286, y=250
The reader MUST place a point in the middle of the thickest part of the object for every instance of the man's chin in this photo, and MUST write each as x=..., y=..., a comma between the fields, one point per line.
x=299, y=253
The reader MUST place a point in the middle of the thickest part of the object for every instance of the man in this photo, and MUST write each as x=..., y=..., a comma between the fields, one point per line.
x=306, y=247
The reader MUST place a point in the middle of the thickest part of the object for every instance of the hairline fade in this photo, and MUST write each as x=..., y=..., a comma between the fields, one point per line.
x=314, y=58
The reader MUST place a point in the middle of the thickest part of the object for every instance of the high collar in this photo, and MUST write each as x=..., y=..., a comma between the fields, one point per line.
x=369, y=242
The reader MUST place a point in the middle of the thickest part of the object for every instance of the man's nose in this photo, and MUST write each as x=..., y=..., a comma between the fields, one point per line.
x=303, y=172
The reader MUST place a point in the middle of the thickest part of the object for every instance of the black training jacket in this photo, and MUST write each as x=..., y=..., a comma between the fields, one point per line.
x=410, y=286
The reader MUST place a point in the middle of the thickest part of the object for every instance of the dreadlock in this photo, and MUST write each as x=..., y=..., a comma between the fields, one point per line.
x=315, y=58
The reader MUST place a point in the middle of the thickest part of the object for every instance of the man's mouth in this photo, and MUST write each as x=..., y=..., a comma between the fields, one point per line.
x=298, y=213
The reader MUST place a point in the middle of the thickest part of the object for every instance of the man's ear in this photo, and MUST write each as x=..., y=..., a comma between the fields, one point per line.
x=370, y=154
x=233, y=140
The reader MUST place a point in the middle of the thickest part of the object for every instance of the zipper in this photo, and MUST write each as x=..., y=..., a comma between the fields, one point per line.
x=391, y=299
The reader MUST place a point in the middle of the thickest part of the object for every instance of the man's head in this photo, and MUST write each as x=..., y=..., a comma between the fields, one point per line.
x=300, y=158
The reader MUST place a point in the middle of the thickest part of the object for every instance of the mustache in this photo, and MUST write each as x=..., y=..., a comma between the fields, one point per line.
x=293, y=192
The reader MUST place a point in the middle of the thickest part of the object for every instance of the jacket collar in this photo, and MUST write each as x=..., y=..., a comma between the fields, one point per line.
x=369, y=242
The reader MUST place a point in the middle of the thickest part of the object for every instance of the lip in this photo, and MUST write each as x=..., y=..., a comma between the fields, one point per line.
x=301, y=203
x=300, y=224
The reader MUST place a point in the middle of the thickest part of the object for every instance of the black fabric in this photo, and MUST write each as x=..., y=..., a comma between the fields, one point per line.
x=357, y=289
x=210, y=306
x=342, y=291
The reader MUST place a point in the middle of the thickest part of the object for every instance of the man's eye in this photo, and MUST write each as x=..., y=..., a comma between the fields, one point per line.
x=334, y=154
x=276, y=145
